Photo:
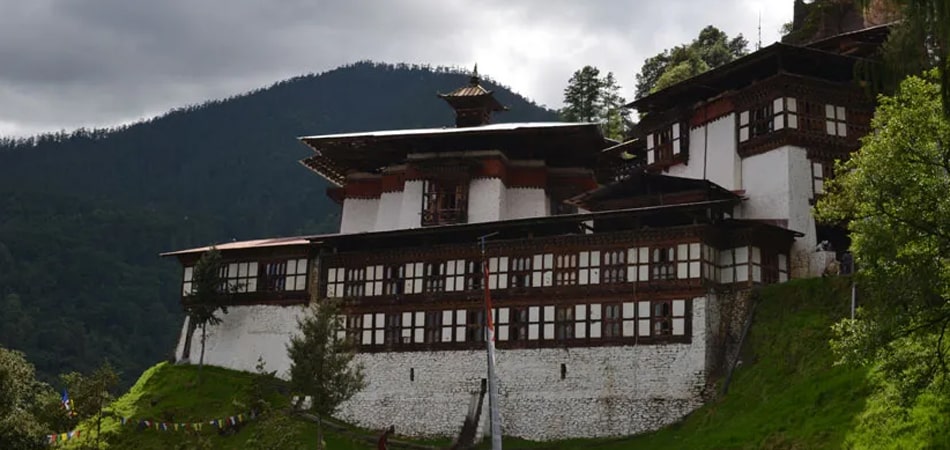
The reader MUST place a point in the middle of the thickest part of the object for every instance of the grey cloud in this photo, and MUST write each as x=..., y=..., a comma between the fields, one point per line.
x=69, y=63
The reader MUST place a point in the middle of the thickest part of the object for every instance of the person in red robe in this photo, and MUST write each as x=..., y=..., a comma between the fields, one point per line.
x=381, y=444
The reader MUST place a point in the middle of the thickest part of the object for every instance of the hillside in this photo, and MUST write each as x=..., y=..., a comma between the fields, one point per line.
x=786, y=394
x=84, y=215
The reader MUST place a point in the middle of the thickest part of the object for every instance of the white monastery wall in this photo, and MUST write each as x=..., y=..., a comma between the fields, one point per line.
x=359, y=215
x=246, y=333
x=800, y=213
x=486, y=200
x=411, y=209
x=390, y=205
x=525, y=202
x=766, y=184
x=606, y=391
x=722, y=163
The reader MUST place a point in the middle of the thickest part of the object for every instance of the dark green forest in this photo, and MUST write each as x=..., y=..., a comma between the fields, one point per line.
x=84, y=214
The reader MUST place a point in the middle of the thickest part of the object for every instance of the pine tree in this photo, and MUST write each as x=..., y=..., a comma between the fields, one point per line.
x=582, y=96
x=209, y=295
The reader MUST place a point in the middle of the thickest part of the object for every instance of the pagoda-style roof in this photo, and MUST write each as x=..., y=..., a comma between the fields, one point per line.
x=473, y=95
x=559, y=144
x=762, y=64
x=642, y=189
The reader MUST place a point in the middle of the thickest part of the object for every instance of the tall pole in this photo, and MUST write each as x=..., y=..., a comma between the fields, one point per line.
x=490, y=344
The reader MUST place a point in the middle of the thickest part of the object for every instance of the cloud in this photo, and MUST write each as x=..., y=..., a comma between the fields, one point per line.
x=70, y=63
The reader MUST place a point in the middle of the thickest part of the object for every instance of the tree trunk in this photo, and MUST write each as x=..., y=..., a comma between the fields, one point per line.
x=98, y=422
x=201, y=362
x=186, y=350
x=320, y=432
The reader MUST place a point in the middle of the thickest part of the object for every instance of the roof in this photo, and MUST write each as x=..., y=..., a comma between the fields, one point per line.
x=252, y=244
x=560, y=144
x=861, y=42
x=743, y=71
x=644, y=184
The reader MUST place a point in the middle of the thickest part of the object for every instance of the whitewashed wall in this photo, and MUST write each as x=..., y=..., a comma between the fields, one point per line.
x=245, y=333
x=722, y=164
x=359, y=215
x=607, y=391
x=766, y=183
x=411, y=209
x=800, y=212
x=486, y=200
x=390, y=207
x=525, y=202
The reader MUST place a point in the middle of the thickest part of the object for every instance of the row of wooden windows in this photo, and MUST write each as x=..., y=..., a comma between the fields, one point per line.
x=254, y=276
x=642, y=319
x=789, y=112
x=680, y=261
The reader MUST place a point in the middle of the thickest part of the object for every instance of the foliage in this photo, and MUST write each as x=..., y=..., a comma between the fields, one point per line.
x=22, y=398
x=210, y=294
x=90, y=394
x=321, y=363
x=893, y=197
x=710, y=49
x=921, y=40
x=590, y=97
x=84, y=214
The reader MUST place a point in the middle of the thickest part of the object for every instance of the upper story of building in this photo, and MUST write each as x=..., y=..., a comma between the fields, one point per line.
x=475, y=172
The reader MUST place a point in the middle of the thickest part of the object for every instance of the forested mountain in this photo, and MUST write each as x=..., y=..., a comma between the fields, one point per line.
x=84, y=215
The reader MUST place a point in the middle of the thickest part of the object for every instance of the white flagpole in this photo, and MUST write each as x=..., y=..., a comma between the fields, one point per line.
x=490, y=344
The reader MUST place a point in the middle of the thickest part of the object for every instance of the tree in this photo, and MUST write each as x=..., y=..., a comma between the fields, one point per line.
x=209, y=295
x=582, y=96
x=892, y=195
x=90, y=394
x=590, y=97
x=711, y=48
x=921, y=40
x=21, y=400
x=322, y=363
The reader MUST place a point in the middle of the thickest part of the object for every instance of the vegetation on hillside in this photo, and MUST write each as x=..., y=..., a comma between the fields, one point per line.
x=83, y=215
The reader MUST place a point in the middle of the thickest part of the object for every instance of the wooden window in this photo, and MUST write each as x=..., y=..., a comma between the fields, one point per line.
x=762, y=119
x=374, y=329
x=820, y=172
x=520, y=272
x=638, y=260
x=455, y=275
x=667, y=143
x=339, y=325
x=335, y=278
x=811, y=116
x=663, y=264
x=394, y=280
x=434, y=277
x=612, y=321
x=564, y=322
x=734, y=265
x=588, y=321
x=186, y=284
x=668, y=318
x=782, y=267
x=614, y=269
x=629, y=312
x=414, y=275
x=444, y=202
x=498, y=272
x=710, y=263
x=475, y=325
x=534, y=323
x=589, y=263
x=413, y=327
x=785, y=111
x=565, y=269
x=271, y=276
x=643, y=319
x=374, y=281
x=519, y=324
x=354, y=328
x=474, y=275
x=688, y=259
x=393, y=329
x=433, y=326
x=542, y=270
x=296, y=275
x=454, y=324
x=354, y=284
x=241, y=277
x=503, y=323
x=836, y=123
x=547, y=322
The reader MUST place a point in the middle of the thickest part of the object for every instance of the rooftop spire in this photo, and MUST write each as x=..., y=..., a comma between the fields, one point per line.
x=473, y=104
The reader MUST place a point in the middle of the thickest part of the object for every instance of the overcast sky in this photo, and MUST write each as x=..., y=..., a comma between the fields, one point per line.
x=71, y=63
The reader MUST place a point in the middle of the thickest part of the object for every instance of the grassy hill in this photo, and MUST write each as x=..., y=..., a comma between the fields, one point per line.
x=786, y=394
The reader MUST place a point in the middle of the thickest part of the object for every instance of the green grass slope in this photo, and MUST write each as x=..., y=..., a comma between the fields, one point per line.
x=786, y=394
